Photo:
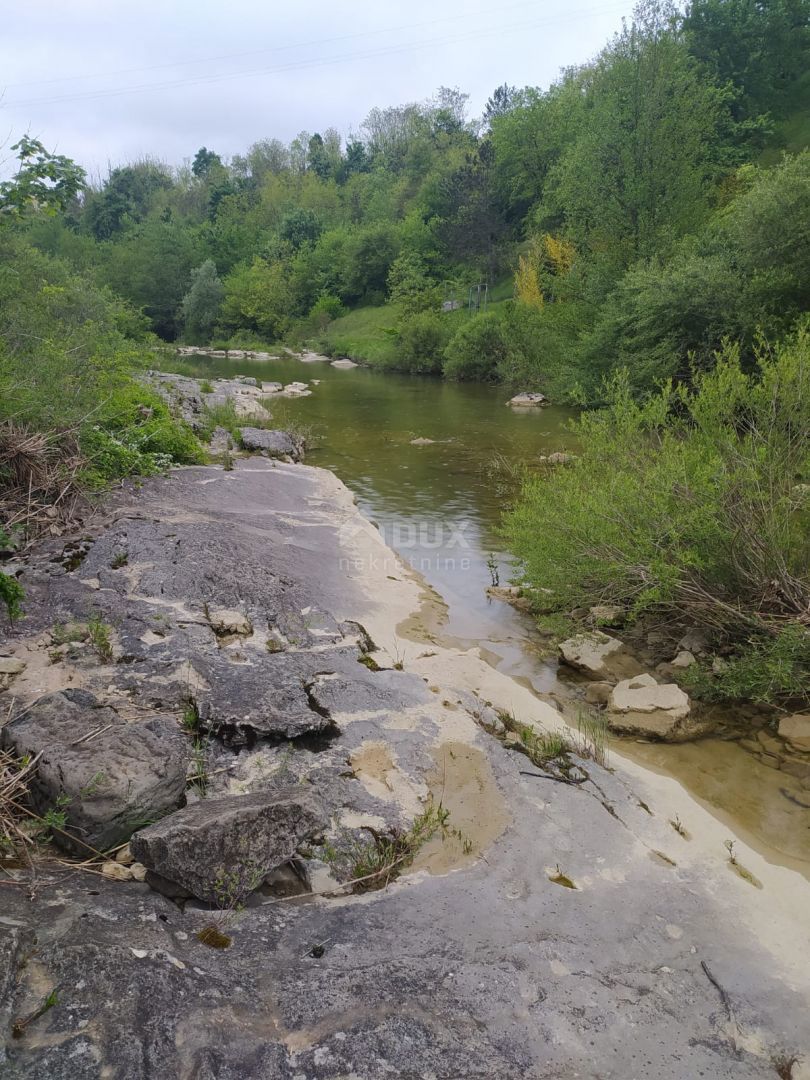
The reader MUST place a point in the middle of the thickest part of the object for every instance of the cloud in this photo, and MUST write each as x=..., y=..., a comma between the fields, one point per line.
x=105, y=83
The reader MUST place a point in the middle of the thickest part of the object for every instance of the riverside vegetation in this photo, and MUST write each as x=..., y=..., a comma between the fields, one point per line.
x=643, y=228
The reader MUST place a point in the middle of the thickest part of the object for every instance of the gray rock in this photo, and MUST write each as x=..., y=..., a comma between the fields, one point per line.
x=108, y=784
x=220, y=440
x=528, y=400
x=221, y=850
x=271, y=443
x=684, y=659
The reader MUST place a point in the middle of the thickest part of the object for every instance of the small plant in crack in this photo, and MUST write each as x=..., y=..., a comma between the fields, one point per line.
x=231, y=888
x=375, y=864
x=680, y=828
x=118, y=560
x=784, y=1064
x=737, y=866
x=559, y=878
x=99, y=634
x=197, y=778
x=494, y=572
x=368, y=661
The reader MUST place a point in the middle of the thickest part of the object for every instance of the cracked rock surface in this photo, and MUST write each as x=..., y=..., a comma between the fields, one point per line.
x=658, y=962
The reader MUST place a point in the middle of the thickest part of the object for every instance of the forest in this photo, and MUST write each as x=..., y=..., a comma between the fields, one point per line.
x=634, y=214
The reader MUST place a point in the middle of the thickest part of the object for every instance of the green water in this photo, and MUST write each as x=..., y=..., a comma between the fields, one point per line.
x=437, y=505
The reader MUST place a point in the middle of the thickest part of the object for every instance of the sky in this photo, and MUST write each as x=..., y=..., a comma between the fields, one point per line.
x=105, y=82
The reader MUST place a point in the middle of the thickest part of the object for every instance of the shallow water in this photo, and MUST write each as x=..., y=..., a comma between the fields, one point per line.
x=439, y=504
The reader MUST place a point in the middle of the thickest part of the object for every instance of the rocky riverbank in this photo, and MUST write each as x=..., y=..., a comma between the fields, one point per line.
x=226, y=674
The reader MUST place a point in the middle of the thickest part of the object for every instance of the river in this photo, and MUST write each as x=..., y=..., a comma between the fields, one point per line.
x=438, y=504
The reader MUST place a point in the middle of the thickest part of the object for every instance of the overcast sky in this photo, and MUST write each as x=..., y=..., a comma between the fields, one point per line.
x=105, y=81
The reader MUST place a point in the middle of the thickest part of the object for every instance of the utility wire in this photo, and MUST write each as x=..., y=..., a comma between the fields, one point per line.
x=311, y=64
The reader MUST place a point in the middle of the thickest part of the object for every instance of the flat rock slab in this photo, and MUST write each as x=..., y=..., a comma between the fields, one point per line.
x=796, y=730
x=221, y=850
x=641, y=706
x=108, y=776
x=528, y=400
x=590, y=653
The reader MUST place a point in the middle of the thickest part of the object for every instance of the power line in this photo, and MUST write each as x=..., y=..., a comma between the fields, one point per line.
x=272, y=49
x=310, y=64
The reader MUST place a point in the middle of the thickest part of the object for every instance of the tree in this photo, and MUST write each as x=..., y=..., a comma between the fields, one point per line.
x=201, y=305
x=43, y=181
x=204, y=161
x=126, y=198
x=501, y=101
x=640, y=174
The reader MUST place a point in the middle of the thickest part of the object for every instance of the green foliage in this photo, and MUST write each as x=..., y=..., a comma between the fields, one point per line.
x=201, y=304
x=478, y=349
x=692, y=501
x=43, y=182
x=766, y=668
x=98, y=633
x=12, y=595
x=421, y=341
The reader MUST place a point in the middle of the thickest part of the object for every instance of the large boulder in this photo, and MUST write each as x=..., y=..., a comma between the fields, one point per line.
x=795, y=729
x=220, y=850
x=641, y=706
x=276, y=444
x=591, y=652
x=107, y=775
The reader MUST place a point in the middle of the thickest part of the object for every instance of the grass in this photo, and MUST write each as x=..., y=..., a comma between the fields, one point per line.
x=375, y=864
x=365, y=334
x=99, y=634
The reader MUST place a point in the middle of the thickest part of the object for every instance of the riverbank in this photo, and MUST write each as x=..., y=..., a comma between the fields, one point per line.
x=477, y=961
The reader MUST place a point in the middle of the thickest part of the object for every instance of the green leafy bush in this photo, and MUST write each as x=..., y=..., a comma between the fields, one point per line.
x=421, y=342
x=478, y=349
x=691, y=503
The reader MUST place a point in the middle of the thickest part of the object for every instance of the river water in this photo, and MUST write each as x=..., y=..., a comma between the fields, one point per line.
x=438, y=504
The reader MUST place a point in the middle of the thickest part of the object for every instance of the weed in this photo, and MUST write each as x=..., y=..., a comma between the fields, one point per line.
x=593, y=731
x=494, y=572
x=119, y=560
x=19, y=1026
x=66, y=634
x=99, y=634
x=227, y=461
x=273, y=644
x=375, y=864
x=369, y=662
x=737, y=866
x=191, y=718
x=198, y=777
x=12, y=595
x=559, y=878
x=679, y=828
x=784, y=1064
x=206, y=387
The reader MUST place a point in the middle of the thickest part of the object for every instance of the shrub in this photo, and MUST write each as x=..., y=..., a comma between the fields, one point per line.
x=421, y=342
x=691, y=503
x=478, y=349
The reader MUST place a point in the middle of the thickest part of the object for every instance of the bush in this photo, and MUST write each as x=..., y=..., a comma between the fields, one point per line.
x=421, y=343
x=478, y=349
x=692, y=503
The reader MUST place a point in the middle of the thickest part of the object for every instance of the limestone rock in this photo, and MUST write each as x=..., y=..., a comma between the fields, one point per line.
x=607, y=614
x=598, y=693
x=271, y=443
x=220, y=440
x=10, y=667
x=795, y=729
x=559, y=457
x=223, y=621
x=344, y=365
x=641, y=706
x=589, y=652
x=116, y=871
x=110, y=775
x=528, y=399
x=220, y=850
x=684, y=659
